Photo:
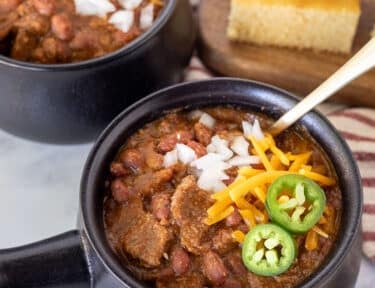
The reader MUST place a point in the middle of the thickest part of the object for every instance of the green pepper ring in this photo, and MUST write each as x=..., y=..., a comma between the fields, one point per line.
x=263, y=268
x=313, y=193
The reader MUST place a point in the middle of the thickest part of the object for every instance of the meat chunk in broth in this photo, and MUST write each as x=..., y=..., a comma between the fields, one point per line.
x=189, y=205
x=142, y=236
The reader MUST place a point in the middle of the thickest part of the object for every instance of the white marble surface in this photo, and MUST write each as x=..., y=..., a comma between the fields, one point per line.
x=39, y=186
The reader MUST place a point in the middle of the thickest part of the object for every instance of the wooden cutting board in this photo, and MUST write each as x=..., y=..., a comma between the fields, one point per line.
x=299, y=71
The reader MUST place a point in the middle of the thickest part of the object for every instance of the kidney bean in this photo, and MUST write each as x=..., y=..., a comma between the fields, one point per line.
x=84, y=39
x=180, y=261
x=229, y=181
x=168, y=142
x=120, y=191
x=160, y=206
x=117, y=169
x=62, y=27
x=8, y=5
x=44, y=7
x=202, y=133
x=235, y=265
x=163, y=176
x=132, y=158
x=243, y=227
x=214, y=268
x=233, y=219
x=198, y=148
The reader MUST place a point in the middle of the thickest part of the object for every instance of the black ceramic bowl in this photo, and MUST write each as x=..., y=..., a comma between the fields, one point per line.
x=71, y=103
x=83, y=258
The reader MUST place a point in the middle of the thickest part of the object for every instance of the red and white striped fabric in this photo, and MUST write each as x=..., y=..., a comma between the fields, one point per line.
x=357, y=126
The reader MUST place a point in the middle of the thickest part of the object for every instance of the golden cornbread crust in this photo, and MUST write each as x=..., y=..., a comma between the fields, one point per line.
x=320, y=25
x=337, y=5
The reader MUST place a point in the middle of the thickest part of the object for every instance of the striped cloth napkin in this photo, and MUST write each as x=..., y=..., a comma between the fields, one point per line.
x=357, y=126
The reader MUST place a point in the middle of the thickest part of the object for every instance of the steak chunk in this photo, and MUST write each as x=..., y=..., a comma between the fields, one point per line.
x=137, y=232
x=223, y=241
x=188, y=207
x=151, y=182
x=146, y=242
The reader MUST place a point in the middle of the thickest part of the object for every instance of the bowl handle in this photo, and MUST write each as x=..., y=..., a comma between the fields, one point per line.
x=59, y=261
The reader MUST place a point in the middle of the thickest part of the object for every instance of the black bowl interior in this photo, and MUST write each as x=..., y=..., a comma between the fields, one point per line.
x=249, y=95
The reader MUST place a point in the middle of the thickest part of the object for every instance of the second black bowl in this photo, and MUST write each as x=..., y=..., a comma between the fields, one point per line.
x=72, y=103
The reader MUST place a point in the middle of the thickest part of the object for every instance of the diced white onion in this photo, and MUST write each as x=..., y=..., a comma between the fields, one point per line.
x=94, y=7
x=123, y=20
x=209, y=161
x=244, y=160
x=220, y=146
x=225, y=152
x=185, y=154
x=130, y=4
x=247, y=128
x=207, y=120
x=210, y=181
x=195, y=114
x=211, y=148
x=218, y=186
x=170, y=158
x=257, y=131
x=147, y=17
x=240, y=146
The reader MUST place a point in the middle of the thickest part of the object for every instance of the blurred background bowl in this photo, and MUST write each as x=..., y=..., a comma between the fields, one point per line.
x=72, y=103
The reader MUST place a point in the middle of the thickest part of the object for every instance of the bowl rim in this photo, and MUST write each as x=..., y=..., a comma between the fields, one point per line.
x=160, y=22
x=330, y=266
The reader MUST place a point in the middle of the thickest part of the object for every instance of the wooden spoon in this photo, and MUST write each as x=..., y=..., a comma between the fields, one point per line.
x=360, y=63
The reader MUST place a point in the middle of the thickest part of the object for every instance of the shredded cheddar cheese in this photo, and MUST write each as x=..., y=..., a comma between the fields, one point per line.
x=242, y=203
x=251, y=186
x=323, y=180
x=260, y=193
x=225, y=193
x=248, y=217
x=320, y=232
x=260, y=152
x=249, y=171
x=238, y=236
x=276, y=151
x=299, y=160
x=221, y=216
x=276, y=163
x=311, y=242
x=157, y=2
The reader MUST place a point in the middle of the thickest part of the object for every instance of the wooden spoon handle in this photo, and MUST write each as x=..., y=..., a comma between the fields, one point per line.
x=360, y=63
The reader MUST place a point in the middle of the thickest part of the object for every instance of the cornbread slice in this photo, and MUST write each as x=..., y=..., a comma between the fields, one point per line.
x=318, y=24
